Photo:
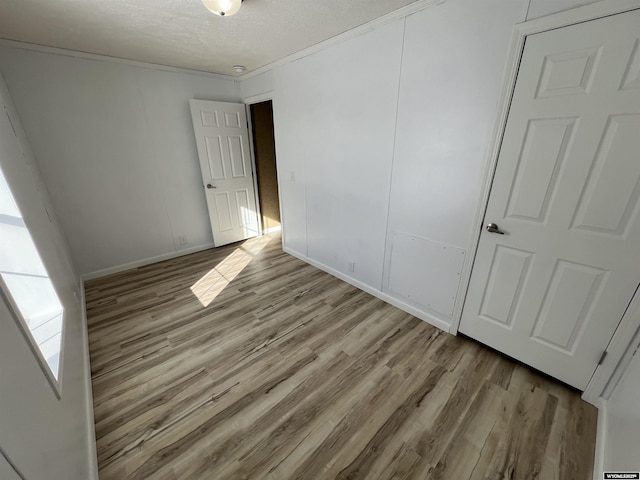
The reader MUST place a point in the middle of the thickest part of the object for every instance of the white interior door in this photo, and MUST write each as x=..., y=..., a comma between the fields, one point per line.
x=222, y=139
x=551, y=290
x=7, y=472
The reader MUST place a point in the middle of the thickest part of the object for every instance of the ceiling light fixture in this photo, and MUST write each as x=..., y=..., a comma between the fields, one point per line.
x=224, y=8
x=240, y=68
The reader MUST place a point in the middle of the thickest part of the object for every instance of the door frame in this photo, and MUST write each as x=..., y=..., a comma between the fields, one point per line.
x=252, y=100
x=630, y=322
x=252, y=151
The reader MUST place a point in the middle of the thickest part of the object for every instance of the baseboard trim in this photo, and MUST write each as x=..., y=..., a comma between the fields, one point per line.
x=91, y=426
x=146, y=261
x=601, y=439
x=267, y=231
x=373, y=291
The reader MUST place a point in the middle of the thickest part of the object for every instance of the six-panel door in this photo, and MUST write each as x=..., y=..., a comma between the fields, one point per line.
x=553, y=288
x=223, y=149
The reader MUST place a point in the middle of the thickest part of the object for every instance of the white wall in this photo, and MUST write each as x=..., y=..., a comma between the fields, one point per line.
x=389, y=132
x=542, y=8
x=622, y=434
x=335, y=113
x=256, y=86
x=452, y=71
x=45, y=437
x=116, y=147
x=619, y=420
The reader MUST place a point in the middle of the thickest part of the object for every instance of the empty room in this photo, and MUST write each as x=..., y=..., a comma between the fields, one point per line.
x=302, y=239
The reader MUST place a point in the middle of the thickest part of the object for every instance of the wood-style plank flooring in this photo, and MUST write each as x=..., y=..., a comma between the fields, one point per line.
x=290, y=373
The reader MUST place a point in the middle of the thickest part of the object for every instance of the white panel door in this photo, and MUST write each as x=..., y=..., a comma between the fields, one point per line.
x=552, y=288
x=7, y=472
x=225, y=162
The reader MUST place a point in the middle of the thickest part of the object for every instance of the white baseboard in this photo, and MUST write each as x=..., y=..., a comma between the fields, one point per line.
x=373, y=291
x=146, y=261
x=91, y=433
x=267, y=231
x=91, y=427
x=601, y=439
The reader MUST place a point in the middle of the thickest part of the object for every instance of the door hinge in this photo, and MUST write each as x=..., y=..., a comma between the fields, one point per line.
x=602, y=357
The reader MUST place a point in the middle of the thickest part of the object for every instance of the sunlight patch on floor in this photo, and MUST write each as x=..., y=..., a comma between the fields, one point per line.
x=216, y=280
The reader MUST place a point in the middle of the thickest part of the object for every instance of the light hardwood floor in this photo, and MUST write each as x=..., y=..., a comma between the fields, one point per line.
x=290, y=373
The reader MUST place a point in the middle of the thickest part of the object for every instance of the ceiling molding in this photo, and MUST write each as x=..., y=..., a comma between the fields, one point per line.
x=106, y=58
x=354, y=32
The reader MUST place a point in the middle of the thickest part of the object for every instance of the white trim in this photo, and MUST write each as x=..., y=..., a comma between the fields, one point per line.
x=508, y=84
x=354, y=32
x=619, y=354
x=4, y=42
x=92, y=461
x=63, y=270
x=521, y=31
x=21, y=322
x=585, y=13
x=267, y=231
x=252, y=154
x=259, y=98
x=601, y=440
x=14, y=173
x=279, y=174
x=146, y=261
x=373, y=291
x=265, y=97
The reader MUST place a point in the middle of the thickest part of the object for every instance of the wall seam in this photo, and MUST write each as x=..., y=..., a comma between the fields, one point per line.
x=526, y=13
x=393, y=159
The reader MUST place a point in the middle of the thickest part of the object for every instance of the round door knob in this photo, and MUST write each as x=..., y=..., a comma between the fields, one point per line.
x=493, y=228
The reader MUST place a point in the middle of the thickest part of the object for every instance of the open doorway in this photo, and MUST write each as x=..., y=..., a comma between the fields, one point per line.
x=265, y=158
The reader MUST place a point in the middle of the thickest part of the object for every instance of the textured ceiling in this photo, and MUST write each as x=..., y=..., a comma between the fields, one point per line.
x=183, y=33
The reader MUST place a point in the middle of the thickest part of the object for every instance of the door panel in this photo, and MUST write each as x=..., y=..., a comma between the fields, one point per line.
x=7, y=472
x=214, y=158
x=238, y=159
x=543, y=152
x=610, y=196
x=226, y=169
x=631, y=78
x=509, y=269
x=559, y=321
x=552, y=288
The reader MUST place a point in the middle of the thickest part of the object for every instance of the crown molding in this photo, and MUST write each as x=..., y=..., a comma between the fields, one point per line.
x=4, y=42
x=354, y=32
x=341, y=37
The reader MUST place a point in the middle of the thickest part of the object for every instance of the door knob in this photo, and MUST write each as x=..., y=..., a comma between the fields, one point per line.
x=493, y=228
x=210, y=186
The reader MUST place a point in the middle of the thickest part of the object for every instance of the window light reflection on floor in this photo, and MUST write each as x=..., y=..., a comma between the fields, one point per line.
x=216, y=280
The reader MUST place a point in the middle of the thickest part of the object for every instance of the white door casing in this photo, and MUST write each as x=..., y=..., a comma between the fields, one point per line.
x=553, y=288
x=222, y=140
